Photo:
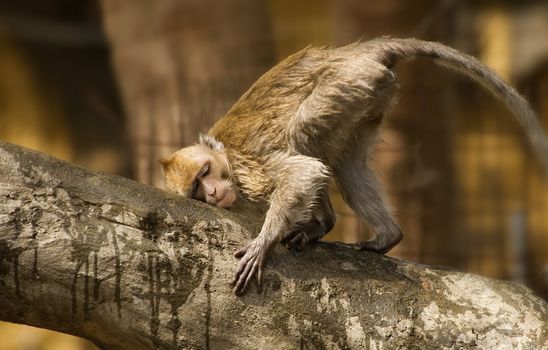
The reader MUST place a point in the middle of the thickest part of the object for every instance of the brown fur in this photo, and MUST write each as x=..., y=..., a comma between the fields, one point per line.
x=250, y=177
x=180, y=172
x=313, y=116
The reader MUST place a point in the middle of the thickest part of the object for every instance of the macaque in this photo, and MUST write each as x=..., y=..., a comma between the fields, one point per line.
x=313, y=117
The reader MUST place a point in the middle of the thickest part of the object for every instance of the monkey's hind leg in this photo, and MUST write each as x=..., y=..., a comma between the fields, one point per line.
x=361, y=191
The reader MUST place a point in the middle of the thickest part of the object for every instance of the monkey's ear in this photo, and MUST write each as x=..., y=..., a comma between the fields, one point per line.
x=211, y=142
x=165, y=161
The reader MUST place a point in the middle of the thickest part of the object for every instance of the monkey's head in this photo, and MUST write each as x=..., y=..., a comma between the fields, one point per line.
x=202, y=172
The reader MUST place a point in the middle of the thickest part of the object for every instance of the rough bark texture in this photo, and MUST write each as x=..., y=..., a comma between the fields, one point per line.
x=131, y=267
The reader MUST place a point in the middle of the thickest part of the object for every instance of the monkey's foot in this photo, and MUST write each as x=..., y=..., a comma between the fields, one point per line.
x=252, y=258
x=382, y=243
x=299, y=239
x=289, y=237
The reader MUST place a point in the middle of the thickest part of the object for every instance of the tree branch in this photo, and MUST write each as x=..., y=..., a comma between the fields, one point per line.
x=132, y=267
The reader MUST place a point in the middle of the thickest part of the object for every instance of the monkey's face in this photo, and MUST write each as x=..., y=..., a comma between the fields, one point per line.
x=201, y=172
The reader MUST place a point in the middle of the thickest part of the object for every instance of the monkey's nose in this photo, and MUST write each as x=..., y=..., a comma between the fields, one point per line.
x=212, y=194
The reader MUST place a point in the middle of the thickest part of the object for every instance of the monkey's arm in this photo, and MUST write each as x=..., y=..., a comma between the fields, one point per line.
x=299, y=180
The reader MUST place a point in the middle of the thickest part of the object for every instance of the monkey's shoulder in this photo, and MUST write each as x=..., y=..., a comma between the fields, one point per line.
x=251, y=175
x=252, y=128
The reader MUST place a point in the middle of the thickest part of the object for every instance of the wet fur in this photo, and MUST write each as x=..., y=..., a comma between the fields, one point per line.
x=316, y=115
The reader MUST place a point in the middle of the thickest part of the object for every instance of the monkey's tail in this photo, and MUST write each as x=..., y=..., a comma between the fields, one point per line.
x=393, y=49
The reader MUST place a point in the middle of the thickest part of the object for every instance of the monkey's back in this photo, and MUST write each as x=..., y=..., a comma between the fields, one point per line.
x=257, y=122
x=266, y=119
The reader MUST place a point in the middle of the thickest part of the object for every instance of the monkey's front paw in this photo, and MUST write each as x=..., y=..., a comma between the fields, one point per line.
x=251, y=262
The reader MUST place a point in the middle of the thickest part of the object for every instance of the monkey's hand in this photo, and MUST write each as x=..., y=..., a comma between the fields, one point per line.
x=252, y=258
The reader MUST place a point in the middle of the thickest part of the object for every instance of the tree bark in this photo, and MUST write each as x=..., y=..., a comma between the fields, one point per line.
x=129, y=266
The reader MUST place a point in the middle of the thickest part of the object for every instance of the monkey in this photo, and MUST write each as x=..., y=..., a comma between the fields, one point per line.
x=312, y=118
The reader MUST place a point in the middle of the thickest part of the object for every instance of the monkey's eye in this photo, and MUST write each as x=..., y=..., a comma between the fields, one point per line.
x=193, y=188
x=205, y=170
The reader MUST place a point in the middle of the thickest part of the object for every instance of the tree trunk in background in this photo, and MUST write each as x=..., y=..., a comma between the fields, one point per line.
x=504, y=195
x=181, y=64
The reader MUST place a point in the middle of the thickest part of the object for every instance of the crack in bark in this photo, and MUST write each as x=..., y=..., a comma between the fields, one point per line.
x=154, y=295
x=117, y=274
x=207, y=287
x=116, y=222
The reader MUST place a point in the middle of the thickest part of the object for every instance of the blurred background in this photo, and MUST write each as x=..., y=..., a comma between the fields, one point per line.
x=115, y=85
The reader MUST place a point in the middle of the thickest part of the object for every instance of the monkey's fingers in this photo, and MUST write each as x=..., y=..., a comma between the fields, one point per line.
x=298, y=242
x=241, y=268
x=294, y=242
x=302, y=244
x=259, y=279
x=240, y=253
x=240, y=279
x=251, y=274
x=289, y=237
x=245, y=276
x=372, y=246
x=380, y=244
